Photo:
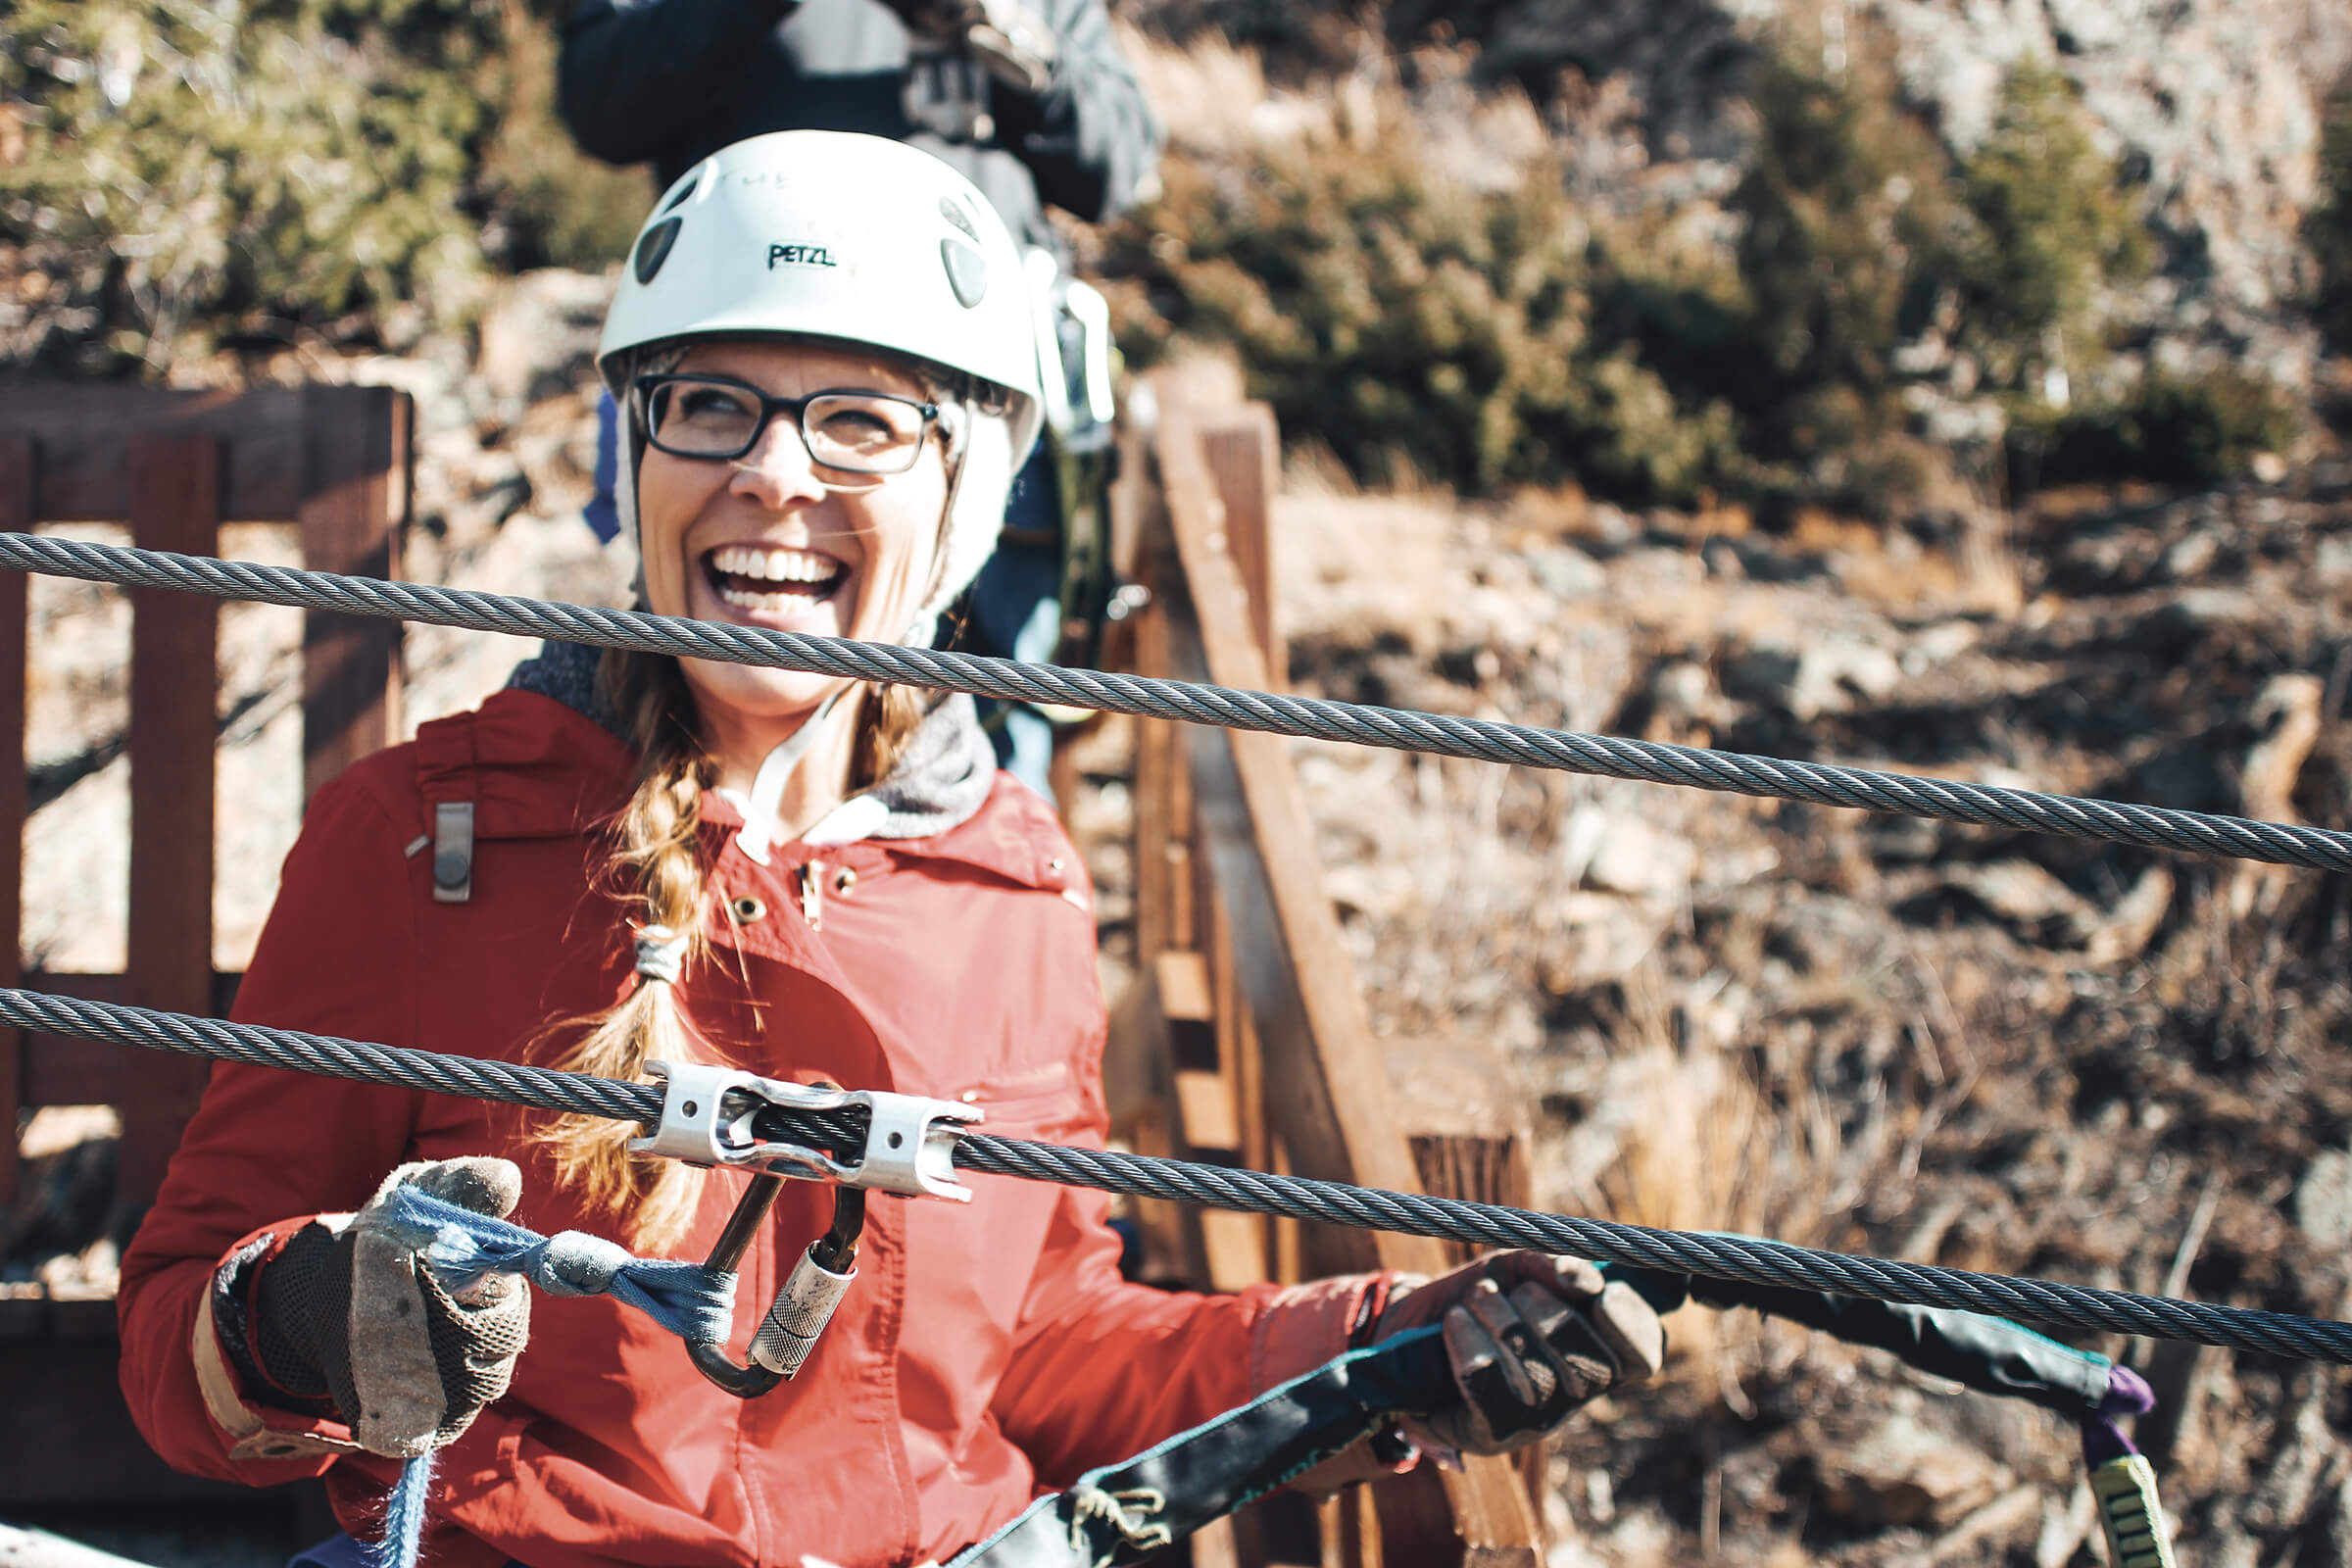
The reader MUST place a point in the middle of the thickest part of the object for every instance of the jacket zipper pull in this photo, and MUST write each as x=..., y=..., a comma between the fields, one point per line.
x=812, y=896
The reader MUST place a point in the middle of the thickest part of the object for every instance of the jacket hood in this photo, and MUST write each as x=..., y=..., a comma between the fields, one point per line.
x=940, y=781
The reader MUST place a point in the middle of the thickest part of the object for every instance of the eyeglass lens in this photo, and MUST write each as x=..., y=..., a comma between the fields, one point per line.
x=864, y=432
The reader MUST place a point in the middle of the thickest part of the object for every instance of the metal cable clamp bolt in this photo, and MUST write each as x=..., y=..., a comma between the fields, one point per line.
x=710, y=1115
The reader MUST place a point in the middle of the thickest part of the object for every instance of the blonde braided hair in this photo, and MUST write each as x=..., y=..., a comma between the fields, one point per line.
x=660, y=875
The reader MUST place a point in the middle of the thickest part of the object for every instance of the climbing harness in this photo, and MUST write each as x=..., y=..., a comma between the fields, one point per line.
x=1986, y=1353
x=1944, y=1320
x=1078, y=369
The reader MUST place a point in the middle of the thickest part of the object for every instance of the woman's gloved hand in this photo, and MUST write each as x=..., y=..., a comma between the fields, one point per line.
x=1530, y=1338
x=348, y=1311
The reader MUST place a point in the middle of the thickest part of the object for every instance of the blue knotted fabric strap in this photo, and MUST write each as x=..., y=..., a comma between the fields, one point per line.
x=462, y=1245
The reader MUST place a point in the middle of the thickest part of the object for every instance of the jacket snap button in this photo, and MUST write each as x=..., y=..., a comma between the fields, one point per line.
x=449, y=869
x=843, y=880
x=749, y=910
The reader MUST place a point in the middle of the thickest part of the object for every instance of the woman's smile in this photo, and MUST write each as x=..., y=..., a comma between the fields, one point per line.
x=773, y=583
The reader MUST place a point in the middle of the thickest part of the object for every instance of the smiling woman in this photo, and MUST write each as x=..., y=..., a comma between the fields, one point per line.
x=805, y=877
x=793, y=487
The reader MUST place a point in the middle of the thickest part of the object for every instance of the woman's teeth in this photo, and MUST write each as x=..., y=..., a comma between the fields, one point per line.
x=753, y=578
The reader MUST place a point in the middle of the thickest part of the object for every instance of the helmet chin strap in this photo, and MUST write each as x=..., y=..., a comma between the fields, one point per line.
x=762, y=822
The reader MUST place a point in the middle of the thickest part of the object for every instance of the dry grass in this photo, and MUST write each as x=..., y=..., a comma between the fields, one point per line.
x=1215, y=101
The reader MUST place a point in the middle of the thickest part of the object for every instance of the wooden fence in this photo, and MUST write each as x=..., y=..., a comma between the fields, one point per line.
x=332, y=462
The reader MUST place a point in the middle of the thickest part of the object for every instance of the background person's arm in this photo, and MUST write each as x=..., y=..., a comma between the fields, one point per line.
x=1090, y=139
x=633, y=79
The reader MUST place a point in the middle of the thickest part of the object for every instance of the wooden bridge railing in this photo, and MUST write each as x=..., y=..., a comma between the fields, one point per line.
x=1247, y=1039
x=332, y=461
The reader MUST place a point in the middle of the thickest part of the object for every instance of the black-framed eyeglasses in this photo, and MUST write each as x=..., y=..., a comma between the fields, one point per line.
x=719, y=420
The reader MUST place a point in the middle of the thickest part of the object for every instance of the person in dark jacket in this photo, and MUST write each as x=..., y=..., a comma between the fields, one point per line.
x=1028, y=99
x=671, y=81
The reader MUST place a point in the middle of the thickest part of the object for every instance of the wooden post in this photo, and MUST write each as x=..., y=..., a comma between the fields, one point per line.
x=1321, y=1071
x=174, y=504
x=1325, y=1083
x=1243, y=449
x=17, y=481
x=355, y=501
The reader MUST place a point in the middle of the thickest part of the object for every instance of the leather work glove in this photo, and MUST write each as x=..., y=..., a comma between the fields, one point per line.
x=348, y=1311
x=1530, y=1338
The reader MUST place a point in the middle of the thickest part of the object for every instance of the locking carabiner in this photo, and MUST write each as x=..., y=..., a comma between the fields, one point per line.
x=803, y=1302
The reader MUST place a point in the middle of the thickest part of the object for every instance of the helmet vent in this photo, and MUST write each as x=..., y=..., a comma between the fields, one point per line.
x=653, y=248
x=686, y=187
x=967, y=271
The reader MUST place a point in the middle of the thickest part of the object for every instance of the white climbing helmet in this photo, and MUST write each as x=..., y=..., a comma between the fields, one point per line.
x=861, y=240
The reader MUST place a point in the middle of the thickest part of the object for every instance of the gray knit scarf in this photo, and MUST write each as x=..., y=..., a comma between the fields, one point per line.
x=938, y=781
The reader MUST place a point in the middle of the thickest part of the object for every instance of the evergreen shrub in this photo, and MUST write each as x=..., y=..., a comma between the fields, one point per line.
x=207, y=168
x=2051, y=230
x=1398, y=316
x=2192, y=428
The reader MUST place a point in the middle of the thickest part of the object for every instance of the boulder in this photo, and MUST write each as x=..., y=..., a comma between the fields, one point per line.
x=1906, y=1472
x=1619, y=853
x=2324, y=1201
x=1828, y=673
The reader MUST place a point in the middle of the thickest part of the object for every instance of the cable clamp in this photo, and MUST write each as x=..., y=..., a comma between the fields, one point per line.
x=709, y=1118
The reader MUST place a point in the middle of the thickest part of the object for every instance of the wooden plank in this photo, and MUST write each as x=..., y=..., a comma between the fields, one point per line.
x=1245, y=464
x=175, y=505
x=1290, y=959
x=1206, y=1111
x=1286, y=1252
x=1212, y=1546
x=1183, y=977
x=354, y=504
x=69, y=1438
x=19, y=478
x=1238, y=1044
x=82, y=427
x=64, y=1070
x=1235, y=1248
x=1465, y=1116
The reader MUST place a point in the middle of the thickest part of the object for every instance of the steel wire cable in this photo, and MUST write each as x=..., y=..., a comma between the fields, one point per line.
x=1716, y=1257
x=1308, y=717
x=328, y=1056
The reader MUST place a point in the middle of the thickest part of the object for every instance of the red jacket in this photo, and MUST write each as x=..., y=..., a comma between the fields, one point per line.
x=987, y=1350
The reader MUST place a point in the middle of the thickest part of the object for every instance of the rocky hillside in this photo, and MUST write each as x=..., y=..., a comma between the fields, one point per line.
x=1933, y=1041
x=2213, y=108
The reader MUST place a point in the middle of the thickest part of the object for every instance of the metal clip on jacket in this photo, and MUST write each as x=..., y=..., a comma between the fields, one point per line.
x=708, y=1119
